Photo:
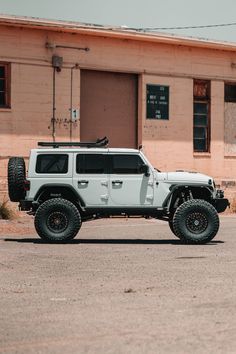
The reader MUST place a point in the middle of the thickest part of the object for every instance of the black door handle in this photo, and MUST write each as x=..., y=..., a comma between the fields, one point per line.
x=117, y=182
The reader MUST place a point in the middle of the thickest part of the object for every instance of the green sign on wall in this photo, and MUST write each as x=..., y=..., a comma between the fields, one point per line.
x=157, y=102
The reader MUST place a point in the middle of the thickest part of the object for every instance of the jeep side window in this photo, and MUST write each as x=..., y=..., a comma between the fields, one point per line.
x=52, y=163
x=126, y=164
x=91, y=163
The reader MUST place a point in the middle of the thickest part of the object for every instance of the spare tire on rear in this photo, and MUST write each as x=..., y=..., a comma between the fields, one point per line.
x=16, y=178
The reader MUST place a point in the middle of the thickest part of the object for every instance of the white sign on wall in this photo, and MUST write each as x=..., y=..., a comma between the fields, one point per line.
x=74, y=114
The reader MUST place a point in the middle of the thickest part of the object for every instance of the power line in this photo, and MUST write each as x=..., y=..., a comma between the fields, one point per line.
x=181, y=27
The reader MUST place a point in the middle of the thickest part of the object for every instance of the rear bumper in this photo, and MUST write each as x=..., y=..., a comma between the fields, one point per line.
x=25, y=205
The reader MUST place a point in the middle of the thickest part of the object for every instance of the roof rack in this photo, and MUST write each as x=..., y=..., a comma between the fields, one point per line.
x=55, y=144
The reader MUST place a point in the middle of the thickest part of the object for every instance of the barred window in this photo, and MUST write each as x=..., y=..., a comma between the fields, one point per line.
x=4, y=85
x=201, y=116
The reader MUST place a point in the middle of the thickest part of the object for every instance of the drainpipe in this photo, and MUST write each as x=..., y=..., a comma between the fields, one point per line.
x=76, y=66
x=57, y=65
x=54, y=105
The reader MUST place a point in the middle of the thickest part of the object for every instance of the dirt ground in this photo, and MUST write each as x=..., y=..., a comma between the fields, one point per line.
x=122, y=286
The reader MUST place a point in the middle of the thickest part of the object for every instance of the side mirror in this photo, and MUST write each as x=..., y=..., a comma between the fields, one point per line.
x=145, y=170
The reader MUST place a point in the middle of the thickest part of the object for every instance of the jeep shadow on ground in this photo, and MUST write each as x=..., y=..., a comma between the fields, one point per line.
x=110, y=241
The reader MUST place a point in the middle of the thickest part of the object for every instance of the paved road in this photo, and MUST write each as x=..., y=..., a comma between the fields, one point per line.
x=123, y=286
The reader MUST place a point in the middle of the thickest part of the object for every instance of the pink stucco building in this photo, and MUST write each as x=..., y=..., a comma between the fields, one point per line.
x=68, y=81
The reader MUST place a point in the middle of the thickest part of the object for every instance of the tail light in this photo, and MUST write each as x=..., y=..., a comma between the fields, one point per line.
x=26, y=185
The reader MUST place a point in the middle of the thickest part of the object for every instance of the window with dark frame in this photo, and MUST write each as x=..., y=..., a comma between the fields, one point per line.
x=230, y=92
x=201, y=115
x=52, y=163
x=4, y=85
x=103, y=164
x=126, y=164
x=91, y=163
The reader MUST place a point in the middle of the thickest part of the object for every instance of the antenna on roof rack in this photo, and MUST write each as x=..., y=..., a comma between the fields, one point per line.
x=55, y=144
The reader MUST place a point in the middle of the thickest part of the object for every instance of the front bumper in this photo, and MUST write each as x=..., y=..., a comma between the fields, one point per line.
x=220, y=203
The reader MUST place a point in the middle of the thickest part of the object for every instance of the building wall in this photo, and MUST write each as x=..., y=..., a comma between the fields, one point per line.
x=168, y=144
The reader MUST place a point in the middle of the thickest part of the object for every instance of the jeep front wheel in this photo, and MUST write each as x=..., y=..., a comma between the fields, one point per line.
x=57, y=220
x=196, y=221
x=171, y=227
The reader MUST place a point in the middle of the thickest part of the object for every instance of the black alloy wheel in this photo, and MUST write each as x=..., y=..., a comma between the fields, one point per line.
x=196, y=222
x=57, y=222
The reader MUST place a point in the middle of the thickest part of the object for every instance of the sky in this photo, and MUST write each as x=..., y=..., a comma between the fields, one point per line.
x=137, y=14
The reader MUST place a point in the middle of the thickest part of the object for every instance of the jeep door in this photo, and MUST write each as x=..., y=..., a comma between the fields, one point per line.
x=128, y=185
x=90, y=178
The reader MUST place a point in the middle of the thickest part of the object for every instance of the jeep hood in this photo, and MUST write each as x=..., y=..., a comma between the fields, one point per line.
x=186, y=177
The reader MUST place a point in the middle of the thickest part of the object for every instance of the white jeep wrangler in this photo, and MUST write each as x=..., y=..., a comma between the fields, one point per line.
x=68, y=183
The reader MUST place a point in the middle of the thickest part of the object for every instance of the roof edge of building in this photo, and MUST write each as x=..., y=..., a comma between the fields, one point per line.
x=113, y=32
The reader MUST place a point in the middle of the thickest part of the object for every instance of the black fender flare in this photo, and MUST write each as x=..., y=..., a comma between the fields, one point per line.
x=176, y=189
x=56, y=186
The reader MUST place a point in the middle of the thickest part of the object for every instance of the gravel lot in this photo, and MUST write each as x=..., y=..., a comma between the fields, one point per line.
x=122, y=286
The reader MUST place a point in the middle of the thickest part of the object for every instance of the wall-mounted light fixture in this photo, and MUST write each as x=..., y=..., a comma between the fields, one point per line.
x=57, y=62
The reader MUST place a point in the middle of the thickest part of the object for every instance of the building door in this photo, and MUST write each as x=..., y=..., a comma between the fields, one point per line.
x=109, y=107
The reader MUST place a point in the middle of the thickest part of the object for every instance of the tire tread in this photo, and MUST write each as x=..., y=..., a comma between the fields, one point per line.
x=42, y=211
x=16, y=178
x=193, y=203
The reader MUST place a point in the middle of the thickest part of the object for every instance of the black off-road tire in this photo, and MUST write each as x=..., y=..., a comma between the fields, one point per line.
x=170, y=222
x=57, y=220
x=171, y=227
x=196, y=222
x=16, y=179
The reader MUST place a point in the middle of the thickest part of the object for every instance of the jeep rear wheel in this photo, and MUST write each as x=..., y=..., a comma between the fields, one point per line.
x=57, y=220
x=16, y=179
x=196, y=221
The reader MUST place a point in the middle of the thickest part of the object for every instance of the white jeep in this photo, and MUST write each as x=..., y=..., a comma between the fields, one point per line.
x=69, y=183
